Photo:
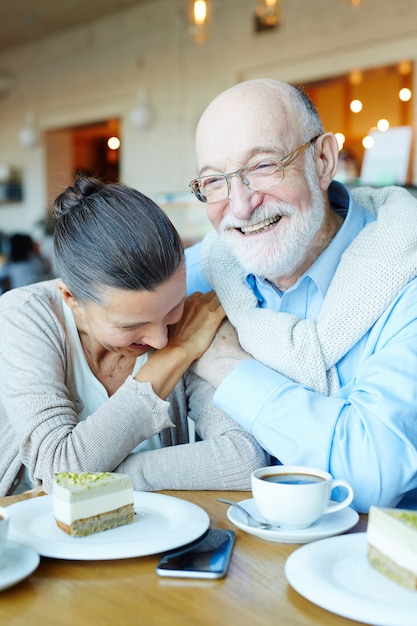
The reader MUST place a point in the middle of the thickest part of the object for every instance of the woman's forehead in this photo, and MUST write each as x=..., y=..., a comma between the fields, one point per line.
x=129, y=303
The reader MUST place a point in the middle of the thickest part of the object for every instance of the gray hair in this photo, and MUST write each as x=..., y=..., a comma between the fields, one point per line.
x=111, y=235
x=307, y=112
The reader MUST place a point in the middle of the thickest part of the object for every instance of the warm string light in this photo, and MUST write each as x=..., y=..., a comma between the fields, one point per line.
x=340, y=140
x=405, y=94
x=355, y=78
x=358, y=119
x=382, y=125
x=368, y=142
x=356, y=106
x=113, y=143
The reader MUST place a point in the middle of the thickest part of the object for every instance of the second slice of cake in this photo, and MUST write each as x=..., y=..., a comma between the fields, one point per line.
x=88, y=503
x=392, y=544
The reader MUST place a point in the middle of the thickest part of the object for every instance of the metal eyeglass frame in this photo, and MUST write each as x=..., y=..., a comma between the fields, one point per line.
x=282, y=163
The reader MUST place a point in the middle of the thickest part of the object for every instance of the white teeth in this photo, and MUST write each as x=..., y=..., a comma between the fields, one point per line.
x=256, y=228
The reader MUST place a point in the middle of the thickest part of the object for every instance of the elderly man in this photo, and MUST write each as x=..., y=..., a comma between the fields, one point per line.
x=319, y=285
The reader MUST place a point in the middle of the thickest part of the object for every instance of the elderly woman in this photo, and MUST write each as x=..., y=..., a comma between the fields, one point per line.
x=94, y=364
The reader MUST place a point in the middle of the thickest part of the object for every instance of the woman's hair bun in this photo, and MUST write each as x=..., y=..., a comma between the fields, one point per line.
x=73, y=197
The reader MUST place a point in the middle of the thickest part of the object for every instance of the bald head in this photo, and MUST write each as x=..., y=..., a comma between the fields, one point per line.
x=259, y=90
x=254, y=116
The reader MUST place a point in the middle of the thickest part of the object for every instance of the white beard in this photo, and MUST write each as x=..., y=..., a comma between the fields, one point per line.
x=281, y=252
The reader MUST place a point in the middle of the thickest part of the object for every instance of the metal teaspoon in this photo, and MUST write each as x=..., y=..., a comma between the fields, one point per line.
x=251, y=520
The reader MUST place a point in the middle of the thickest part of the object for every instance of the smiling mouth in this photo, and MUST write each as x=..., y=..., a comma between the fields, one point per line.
x=261, y=226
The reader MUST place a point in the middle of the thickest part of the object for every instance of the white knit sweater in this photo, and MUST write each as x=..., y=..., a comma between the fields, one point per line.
x=373, y=269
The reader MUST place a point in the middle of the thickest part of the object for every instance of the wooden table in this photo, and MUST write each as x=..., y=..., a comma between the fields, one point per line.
x=128, y=591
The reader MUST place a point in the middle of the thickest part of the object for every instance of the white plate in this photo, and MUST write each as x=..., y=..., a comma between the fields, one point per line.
x=335, y=574
x=161, y=523
x=326, y=526
x=16, y=563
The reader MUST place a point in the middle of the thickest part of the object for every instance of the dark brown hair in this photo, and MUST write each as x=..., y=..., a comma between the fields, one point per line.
x=111, y=235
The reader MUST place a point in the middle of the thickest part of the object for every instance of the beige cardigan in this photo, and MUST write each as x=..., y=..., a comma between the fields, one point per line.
x=372, y=271
x=39, y=424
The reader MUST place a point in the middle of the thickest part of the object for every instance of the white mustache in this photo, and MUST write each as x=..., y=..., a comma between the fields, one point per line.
x=261, y=216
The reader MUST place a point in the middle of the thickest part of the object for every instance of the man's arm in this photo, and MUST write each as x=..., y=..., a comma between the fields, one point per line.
x=222, y=356
x=366, y=433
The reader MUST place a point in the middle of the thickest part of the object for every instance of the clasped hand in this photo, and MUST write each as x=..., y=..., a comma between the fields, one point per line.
x=201, y=318
x=223, y=354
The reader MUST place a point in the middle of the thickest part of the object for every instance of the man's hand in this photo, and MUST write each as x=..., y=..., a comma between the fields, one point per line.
x=221, y=357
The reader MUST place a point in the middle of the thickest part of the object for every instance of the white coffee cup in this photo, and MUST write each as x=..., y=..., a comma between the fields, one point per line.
x=294, y=496
x=4, y=527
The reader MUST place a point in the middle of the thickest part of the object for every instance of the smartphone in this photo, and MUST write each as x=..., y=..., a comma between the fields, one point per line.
x=207, y=557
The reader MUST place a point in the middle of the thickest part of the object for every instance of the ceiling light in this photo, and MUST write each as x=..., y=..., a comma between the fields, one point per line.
x=142, y=114
x=198, y=19
x=29, y=134
x=267, y=14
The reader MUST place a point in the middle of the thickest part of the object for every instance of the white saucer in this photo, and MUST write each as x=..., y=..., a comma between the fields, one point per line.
x=16, y=563
x=326, y=526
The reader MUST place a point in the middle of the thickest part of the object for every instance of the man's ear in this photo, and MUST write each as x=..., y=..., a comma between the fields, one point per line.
x=67, y=296
x=327, y=155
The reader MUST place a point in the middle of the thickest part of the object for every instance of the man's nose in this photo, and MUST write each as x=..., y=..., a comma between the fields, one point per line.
x=242, y=200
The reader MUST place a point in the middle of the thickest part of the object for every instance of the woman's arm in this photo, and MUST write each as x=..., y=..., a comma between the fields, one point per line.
x=39, y=397
x=223, y=460
x=40, y=401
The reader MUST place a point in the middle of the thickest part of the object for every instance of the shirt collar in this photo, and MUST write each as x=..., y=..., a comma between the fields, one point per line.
x=324, y=267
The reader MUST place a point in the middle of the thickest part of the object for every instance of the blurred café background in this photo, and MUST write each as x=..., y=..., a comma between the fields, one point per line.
x=115, y=88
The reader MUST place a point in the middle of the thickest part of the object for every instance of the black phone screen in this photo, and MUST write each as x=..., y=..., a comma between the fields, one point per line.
x=209, y=557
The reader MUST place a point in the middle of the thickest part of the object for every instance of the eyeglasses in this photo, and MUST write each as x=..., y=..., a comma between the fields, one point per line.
x=258, y=176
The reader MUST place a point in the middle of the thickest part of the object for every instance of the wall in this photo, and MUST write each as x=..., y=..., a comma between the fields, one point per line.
x=95, y=72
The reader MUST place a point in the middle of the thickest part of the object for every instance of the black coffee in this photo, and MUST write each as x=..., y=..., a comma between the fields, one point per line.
x=292, y=479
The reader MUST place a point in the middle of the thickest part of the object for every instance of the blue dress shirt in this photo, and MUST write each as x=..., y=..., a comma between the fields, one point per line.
x=367, y=432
